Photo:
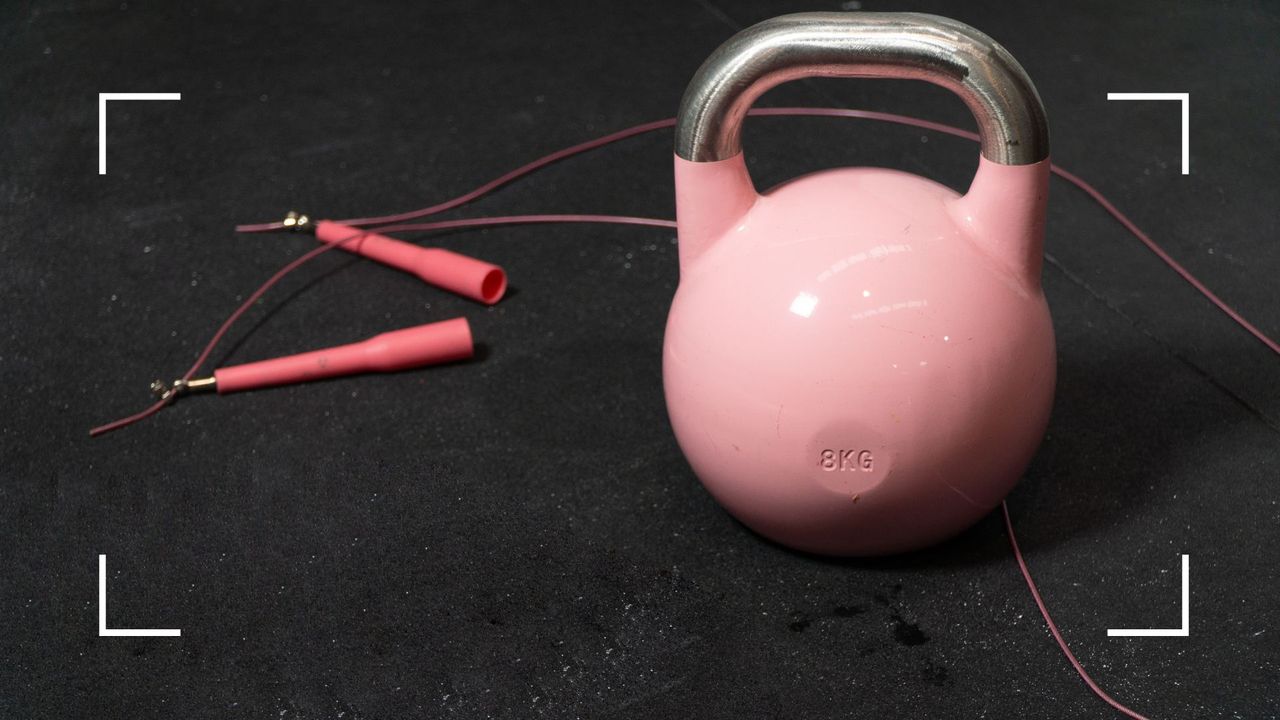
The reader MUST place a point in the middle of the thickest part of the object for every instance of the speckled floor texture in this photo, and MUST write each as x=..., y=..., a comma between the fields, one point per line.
x=519, y=536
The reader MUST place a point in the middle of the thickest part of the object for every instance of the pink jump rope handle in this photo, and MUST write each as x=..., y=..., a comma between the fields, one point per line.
x=430, y=344
x=463, y=275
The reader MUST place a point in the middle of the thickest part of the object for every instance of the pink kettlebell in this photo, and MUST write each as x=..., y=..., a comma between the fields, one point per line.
x=860, y=361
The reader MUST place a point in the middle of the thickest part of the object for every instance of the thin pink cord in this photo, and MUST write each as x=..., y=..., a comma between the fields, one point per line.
x=490, y=186
x=1164, y=256
x=1053, y=627
x=660, y=124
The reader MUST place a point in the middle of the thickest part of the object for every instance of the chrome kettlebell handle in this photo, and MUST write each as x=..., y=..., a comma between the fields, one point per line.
x=915, y=46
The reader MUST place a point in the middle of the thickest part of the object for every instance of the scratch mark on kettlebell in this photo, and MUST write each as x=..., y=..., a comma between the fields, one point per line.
x=778, y=423
x=937, y=475
x=711, y=440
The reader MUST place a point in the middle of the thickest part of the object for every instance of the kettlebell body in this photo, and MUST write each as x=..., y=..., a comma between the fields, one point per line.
x=860, y=361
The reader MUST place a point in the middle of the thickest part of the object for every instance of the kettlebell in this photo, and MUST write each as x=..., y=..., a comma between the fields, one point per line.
x=860, y=361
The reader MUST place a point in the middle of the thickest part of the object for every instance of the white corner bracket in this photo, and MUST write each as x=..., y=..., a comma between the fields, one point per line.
x=1185, y=99
x=103, y=630
x=1183, y=631
x=102, y=118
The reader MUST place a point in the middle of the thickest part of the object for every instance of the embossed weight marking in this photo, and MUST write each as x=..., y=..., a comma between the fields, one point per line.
x=847, y=461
